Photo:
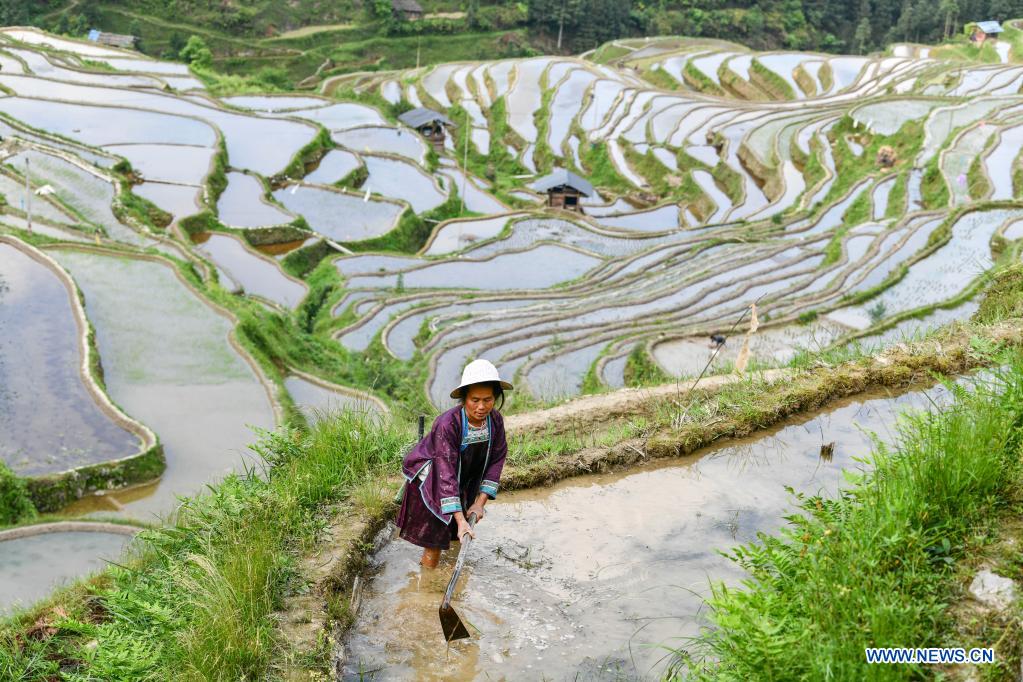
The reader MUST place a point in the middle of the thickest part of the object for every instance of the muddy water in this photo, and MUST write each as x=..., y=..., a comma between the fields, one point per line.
x=49, y=422
x=586, y=580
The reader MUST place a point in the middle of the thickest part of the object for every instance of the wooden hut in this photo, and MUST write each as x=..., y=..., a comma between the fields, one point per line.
x=428, y=123
x=982, y=30
x=113, y=39
x=406, y=10
x=564, y=190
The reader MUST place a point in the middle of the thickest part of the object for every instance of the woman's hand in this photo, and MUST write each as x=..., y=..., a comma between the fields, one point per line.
x=463, y=527
x=476, y=509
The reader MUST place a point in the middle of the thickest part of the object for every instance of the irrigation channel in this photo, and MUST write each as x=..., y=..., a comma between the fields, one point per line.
x=596, y=577
x=146, y=223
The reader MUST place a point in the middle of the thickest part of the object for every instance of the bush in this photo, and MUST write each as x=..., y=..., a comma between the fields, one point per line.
x=15, y=504
x=274, y=77
x=501, y=17
x=196, y=53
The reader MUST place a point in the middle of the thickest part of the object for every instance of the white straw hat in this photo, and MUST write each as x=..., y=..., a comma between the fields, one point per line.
x=480, y=372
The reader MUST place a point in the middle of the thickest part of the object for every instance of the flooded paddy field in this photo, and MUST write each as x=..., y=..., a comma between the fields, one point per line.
x=592, y=578
x=256, y=275
x=171, y=363
x=707, y=202
x=50, y=420
x=31, y=572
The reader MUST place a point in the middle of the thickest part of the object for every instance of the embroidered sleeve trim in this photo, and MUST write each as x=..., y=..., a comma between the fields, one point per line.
x=489, y=488
x=450, y=505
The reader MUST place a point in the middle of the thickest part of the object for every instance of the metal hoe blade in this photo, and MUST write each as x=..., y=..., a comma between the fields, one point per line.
x=450, y=623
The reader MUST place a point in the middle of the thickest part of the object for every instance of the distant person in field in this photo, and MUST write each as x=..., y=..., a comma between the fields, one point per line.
x=456, y=468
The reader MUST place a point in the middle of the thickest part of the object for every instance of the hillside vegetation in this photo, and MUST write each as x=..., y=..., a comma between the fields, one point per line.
x=296, y=40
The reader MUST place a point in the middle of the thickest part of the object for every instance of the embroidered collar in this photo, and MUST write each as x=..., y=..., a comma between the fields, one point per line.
x=465, y=431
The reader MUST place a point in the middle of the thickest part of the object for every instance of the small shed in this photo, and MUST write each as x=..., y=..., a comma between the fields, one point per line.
x=407, y=10
x=982, y=30
x=564, y=189
x=428, y=123
x=113, y=39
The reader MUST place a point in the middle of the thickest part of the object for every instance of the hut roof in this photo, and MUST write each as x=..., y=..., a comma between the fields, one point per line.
x=407, y=6
x=421, y=116
x=989, y=27
x=564, y=178
x=112, y=39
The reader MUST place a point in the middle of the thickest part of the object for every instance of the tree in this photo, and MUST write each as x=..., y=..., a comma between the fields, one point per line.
x=862, y=36
x=950, y=11
x=176, y=43
x=13, y=12
x=472, y=14
x=63, y=26
x=135, y=29
x=79, y=25
x=196, y=53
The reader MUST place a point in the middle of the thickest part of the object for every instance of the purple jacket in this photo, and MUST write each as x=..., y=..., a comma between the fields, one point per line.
x=440, y=450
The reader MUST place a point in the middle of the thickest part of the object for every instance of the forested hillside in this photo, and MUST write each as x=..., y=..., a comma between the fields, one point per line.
x=303, y=35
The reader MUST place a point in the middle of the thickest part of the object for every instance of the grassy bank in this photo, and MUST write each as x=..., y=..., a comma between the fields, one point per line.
x=197, y=600
x=876, y=565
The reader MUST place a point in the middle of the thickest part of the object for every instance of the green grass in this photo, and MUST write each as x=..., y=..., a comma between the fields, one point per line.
x=897, y=197
x=933, y=187
x=683, y=188
x=601, y=168
x=659, y=78
x=976, y=179
x=15, y=504
x=826, y=76
x=413, y=230
x=857, y=213
x=813, y=170
x=141, y=210
x=961, y=49
x=1004, y=298
x=310, y=155
x=198, y=600
x=771, y=82
x=699, y=80
x=641, y=370
x=729, y=181
x=873, y=566
x=498, y=166
x=852, y=168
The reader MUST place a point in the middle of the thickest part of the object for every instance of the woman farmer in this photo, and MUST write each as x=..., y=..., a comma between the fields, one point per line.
x=452, y=472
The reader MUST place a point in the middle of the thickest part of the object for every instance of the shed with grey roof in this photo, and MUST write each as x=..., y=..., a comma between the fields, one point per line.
x=428, y=123
x=409, y=10
x=564, y=189
x=113, y=39
x=982, y=30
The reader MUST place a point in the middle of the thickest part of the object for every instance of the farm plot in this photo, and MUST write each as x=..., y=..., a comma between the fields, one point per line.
x=732, y=177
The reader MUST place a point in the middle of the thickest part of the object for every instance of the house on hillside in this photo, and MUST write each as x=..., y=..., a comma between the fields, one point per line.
x=428, y=123
x=564, y=190
x=983, y=30
x=113, y=39
x=408, y=10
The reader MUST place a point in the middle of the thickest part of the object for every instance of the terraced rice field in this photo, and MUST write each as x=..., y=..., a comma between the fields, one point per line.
x=724, y=178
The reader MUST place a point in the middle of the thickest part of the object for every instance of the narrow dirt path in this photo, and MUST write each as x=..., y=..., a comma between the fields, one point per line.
x=604, y=408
